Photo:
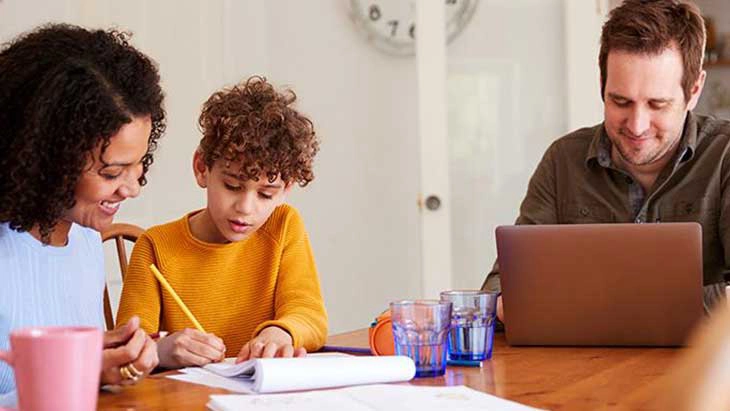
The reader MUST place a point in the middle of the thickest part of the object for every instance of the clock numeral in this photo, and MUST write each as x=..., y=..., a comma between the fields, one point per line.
x=374, y=13
x=393, y=27
x=412, y=31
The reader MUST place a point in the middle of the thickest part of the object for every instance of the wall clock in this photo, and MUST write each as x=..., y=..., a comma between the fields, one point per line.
x=390, y=25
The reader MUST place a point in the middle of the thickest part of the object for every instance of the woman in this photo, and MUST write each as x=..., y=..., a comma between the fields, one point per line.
x=80, y=115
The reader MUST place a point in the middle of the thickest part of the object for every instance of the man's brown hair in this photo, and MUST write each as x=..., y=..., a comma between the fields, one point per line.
x=253, y=123
x=652, y=26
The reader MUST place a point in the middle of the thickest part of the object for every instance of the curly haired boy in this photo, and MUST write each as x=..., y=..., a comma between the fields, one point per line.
x=243, y=265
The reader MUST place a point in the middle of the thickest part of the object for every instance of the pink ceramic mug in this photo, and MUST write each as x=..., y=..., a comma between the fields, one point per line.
x=56, y=368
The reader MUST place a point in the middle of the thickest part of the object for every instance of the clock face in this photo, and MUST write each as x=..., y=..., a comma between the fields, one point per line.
x=390, y=25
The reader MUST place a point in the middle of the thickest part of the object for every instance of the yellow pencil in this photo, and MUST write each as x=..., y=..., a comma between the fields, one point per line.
x=174, y=295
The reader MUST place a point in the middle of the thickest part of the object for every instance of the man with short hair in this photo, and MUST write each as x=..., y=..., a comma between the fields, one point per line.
x=651, y=159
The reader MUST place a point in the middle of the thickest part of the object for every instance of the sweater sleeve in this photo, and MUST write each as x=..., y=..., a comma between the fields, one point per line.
x=299, y=307
x=141, y=292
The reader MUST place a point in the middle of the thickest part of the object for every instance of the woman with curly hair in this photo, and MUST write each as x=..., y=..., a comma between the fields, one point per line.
x=80, y=115
x=243, y=265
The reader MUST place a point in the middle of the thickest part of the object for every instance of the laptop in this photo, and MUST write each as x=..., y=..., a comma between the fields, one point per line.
x=601, y=284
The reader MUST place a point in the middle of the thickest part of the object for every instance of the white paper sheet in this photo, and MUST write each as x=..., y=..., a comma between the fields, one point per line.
x=295, y=374
x=370, y=398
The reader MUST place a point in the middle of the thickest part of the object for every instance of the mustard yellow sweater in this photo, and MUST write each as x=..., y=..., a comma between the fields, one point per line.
x=235, y=289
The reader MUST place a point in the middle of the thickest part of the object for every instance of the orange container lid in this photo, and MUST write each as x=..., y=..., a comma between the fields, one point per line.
x=381, y=335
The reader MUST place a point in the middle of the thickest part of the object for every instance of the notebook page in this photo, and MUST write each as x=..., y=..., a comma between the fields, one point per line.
x=269, y=375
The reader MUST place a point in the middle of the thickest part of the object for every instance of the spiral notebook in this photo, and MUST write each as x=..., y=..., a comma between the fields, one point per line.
x=270, y=375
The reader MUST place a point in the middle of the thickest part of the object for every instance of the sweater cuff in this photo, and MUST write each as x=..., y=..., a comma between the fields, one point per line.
x=9, y=399
x=284, y=326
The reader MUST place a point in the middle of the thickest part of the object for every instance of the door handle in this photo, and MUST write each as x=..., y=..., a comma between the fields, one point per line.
x=433, y=202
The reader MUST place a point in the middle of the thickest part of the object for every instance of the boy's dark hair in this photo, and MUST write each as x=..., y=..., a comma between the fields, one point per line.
x=650, y=27
x=253, y=123
x=65, y=90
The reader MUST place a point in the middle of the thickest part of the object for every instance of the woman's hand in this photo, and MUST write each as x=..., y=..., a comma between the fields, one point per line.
x=127, y=346
x=190, y=347
x=270, y=342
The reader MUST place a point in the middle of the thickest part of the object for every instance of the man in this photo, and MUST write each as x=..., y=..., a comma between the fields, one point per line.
x=651, y=159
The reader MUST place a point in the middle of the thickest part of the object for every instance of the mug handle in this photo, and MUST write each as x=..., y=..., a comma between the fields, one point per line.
x=6, y=356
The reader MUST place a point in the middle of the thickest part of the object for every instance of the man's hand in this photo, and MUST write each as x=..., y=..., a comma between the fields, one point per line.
x=190, y=347
x=270, y=342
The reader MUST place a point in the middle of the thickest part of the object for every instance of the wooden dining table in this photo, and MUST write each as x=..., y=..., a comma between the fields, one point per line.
x=554, y=378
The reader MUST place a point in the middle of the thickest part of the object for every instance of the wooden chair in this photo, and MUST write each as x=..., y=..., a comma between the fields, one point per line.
x=119, y=233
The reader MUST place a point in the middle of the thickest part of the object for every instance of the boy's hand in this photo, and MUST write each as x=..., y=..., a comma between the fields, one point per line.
x=271, y=342
x=127, y=344
x=190, y=347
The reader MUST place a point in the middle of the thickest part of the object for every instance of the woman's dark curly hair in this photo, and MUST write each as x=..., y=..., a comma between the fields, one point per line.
x=253, y=123
x=64, y=91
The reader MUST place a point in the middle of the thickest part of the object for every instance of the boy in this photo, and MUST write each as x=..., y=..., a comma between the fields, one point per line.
x=243, y=265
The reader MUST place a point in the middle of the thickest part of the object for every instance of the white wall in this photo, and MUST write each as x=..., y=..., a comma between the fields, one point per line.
x=20, y=16
x=583, y=20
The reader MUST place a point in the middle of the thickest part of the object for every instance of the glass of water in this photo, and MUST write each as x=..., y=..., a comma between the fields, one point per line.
x=472, y=324
x=420, y=328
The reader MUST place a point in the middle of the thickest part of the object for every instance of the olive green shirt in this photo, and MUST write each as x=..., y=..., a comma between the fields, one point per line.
x=577, y=183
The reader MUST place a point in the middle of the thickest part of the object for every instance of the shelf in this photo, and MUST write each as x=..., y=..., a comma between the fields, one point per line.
x=718, y=63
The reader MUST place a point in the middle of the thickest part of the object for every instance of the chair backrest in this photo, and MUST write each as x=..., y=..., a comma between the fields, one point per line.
x=119, y=233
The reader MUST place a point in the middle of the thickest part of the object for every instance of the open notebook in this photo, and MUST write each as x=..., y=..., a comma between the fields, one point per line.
x=270, y=375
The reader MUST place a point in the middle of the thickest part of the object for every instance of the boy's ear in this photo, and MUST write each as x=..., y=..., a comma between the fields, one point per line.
x=287, y=187
x=200, y=169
